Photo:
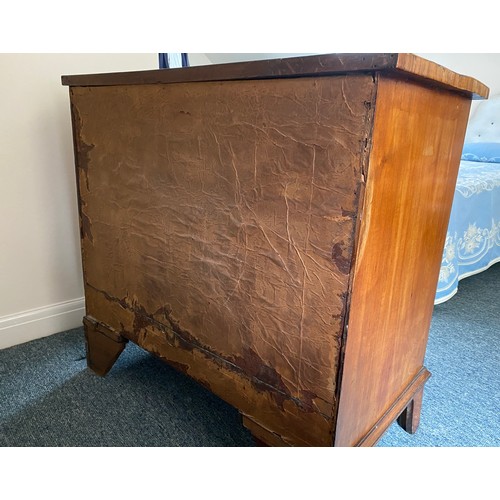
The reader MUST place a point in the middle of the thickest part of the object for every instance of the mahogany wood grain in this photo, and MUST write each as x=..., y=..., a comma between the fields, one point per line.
x=417, y=143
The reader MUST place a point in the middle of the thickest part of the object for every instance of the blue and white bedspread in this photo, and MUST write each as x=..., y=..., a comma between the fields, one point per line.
x=473, y=238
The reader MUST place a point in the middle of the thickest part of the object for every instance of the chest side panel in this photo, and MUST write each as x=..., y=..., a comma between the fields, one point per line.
x=417, y=143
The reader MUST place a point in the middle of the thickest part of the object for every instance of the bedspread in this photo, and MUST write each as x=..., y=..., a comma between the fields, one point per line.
x=473, y=237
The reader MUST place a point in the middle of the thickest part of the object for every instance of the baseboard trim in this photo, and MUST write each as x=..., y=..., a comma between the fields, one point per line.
x=41, y=322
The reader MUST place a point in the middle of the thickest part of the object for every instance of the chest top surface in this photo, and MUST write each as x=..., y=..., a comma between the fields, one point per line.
x=405, y=65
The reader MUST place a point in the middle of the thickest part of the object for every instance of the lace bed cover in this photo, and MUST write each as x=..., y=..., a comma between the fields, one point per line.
x=473, y=237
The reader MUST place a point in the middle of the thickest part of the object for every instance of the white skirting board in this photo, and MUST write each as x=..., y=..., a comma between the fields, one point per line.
x=41, y=322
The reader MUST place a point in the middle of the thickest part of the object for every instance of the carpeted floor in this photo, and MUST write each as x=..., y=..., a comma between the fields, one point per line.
x=49, y=398
x=461, y=405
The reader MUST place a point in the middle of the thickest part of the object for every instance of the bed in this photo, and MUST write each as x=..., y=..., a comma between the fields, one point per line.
x=473, y=237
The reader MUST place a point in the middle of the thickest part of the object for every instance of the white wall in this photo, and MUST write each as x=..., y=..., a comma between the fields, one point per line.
x=198, y=59
x=41, y=289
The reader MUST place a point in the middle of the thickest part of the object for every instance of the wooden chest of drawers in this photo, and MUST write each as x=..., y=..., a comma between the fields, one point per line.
x=274, y=230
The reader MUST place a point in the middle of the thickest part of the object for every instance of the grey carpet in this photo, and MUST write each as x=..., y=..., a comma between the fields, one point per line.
x=461, y=405
x=49, y=398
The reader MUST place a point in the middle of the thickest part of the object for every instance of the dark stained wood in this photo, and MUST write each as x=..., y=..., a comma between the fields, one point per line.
x=276, y=239
x=318, y=65
x=260, y=443
x=328, y=64
x=410, y=418
x=103, y=346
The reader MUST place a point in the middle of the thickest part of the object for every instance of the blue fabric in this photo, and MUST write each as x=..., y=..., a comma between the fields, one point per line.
x=163, y=61
x=173, y=60
x=473, y=237
x=485, y=152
